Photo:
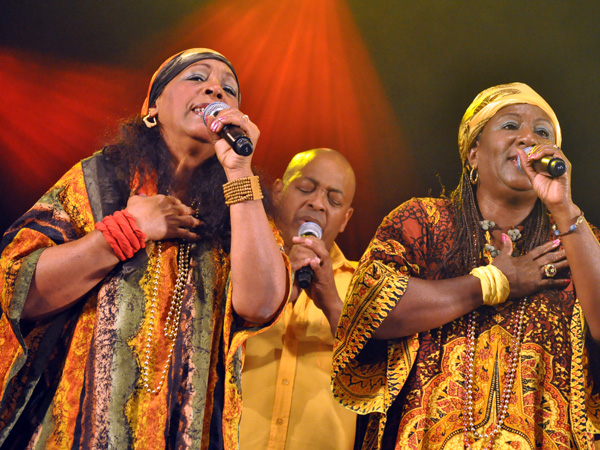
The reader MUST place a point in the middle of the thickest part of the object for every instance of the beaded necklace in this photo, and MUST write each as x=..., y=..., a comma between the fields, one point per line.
x=486, y=225
x=172, y=322
x=469, y=427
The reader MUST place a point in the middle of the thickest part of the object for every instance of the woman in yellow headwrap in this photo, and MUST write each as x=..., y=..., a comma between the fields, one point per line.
x=128, y=288
x=473, y=321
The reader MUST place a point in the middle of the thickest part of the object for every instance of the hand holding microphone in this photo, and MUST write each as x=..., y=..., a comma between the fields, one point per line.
x=234, y=135
x=305, y=274
x=550, y=165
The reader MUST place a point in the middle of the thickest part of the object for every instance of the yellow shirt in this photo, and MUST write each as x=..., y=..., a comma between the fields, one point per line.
x=286, y=380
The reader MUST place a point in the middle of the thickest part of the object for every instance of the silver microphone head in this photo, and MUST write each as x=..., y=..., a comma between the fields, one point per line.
x=526, y=150
x=213, y=109
x=310, y=228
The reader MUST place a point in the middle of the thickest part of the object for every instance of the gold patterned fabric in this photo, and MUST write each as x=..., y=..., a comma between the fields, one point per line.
x=74, y=381
x=411, y=390
x=489, y=102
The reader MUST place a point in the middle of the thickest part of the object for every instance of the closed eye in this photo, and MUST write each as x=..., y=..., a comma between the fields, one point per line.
x=335, y=198
x=231, y=91
x=197, y=77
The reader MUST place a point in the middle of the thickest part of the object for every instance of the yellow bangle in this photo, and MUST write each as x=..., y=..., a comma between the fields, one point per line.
x=242, y=190
x=494, y=284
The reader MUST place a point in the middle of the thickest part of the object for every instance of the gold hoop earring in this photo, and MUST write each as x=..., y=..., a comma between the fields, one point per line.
x=474, y=176
x=148, y=120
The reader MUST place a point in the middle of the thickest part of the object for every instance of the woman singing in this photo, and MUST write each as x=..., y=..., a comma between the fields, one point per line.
x=128, y=288
x=473, y=321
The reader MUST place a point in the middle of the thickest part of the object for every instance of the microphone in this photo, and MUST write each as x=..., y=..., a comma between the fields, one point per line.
x=554, y=167
x=305, y=274
x=235, y=137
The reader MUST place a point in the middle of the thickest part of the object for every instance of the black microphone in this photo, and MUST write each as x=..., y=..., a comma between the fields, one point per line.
x=234, y=135
x=305, y=274
x=554, y=167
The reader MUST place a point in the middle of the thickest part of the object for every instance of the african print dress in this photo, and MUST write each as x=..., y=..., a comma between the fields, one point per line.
x=412, y=389
x=74, y=381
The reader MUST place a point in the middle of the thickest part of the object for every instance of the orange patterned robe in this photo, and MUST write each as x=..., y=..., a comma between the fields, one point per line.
x=411, y=389
x=74, y=381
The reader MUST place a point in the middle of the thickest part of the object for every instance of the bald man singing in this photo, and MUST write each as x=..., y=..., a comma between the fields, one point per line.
x=287, y=371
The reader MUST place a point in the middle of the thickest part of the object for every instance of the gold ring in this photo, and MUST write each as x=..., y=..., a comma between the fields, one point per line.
x=246, y=118
x=550, y=270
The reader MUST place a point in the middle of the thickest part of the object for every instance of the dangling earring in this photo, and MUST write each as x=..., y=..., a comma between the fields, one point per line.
x=148, y=120
x=474, y=176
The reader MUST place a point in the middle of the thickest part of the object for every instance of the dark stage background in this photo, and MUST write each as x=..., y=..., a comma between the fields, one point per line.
x=384, y=82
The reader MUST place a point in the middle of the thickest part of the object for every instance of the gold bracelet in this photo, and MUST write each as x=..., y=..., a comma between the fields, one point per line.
x=242, y=190
x=494, y=284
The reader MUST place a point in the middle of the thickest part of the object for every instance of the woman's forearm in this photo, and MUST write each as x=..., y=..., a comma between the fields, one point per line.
x=258, y=273
x=428, y=304
x=66, y=272
x=583, y=254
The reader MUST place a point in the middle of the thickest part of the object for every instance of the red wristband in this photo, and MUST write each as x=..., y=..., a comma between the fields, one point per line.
x=110, y=238
x=128, y=225
x=122, y=233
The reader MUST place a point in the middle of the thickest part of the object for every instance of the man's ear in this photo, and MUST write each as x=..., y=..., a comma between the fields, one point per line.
x=277, y=190
x=348, y=215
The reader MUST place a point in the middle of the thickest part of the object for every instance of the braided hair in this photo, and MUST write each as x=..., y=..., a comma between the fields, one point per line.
x=469, y=238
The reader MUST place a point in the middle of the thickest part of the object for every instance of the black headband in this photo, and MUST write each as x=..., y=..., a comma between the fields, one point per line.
x=176, y=65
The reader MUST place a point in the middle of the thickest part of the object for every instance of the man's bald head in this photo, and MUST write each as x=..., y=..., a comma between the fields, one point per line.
x=317, y=186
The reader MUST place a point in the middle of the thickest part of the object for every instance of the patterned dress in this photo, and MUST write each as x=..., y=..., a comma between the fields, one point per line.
x=412, y=389
x=74, y=381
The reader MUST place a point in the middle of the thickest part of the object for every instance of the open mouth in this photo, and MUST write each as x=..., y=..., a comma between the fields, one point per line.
x=310, y=219
x=199, y=110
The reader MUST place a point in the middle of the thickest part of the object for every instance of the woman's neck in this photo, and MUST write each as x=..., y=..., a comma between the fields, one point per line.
x=186, y=159
x=506, y=213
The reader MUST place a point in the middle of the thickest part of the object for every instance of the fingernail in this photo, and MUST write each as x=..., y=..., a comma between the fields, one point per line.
x=214, y=126
x=556, y=242
x=534, y=151
x=504, y=238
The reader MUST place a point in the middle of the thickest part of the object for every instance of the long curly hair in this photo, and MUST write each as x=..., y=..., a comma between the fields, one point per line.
x=141, y=151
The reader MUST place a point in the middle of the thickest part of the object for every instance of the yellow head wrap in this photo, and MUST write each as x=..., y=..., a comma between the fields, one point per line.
x=489, y=102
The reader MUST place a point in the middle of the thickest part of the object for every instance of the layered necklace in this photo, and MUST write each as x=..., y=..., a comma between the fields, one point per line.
x=469, y=427
x=173, y=317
